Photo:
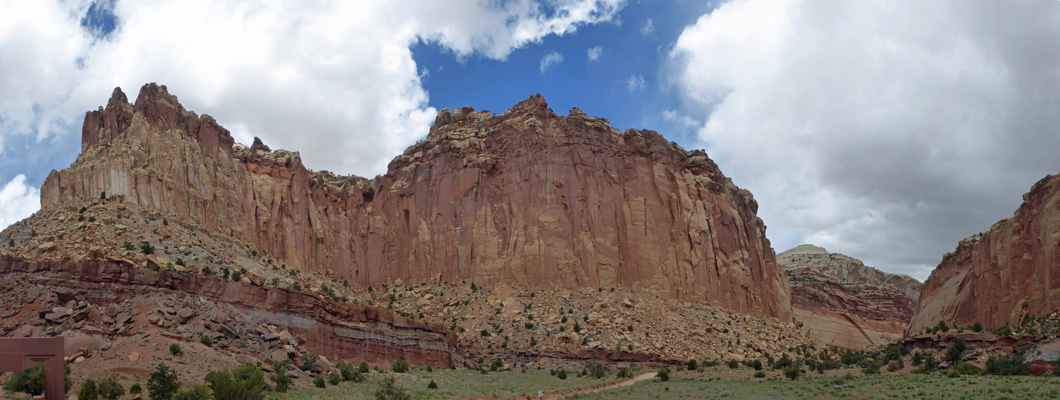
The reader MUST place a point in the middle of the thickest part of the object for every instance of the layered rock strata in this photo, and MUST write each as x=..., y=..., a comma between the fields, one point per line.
x=841, y=302
x=1002, y=277
x=526, y=197
x=335, y=330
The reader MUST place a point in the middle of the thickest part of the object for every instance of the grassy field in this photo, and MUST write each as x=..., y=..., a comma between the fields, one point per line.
x=712, y=383
x=454, y=384
x=716, y=383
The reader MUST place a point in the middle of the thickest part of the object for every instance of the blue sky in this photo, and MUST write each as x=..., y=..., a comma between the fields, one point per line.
x=884, y=130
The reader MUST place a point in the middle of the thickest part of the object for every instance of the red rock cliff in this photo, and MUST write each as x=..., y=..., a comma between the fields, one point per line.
x=1002, y=277
x=527, y=197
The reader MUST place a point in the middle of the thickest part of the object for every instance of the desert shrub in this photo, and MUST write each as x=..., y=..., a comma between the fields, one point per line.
x=496, y=364
x=163, y=383
x=757, y=365
x=870, y=366
x=930, y=365
x=918, y=358
x=388, y=390
x=561, y=374
x=977, y=326
x=320, y=382
x=279, y=376
x=194, y=392
x=597, y=371
x=792, y=372
x=135, y=389
x=760, y=374
x=334, y=379
x=206, y=340
x=237, y=276
x=400, y=366
x=175, y=349
x=663, y=374
x=245, y=382
x=953, y=354
x=309, y=362
x=432, y=385
x=147, y=248
x=110, y=389
x=942, y=326
x=967, y=369
x=733, y=364
x=783, y=362
x=363, y=368
x=1012, y=364
x=88, y=390
x=624, y=372
x=692, y=365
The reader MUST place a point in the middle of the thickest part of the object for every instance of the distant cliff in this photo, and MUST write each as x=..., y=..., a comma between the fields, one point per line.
x=841, y=302
x=526, y=197
x=1004, y=276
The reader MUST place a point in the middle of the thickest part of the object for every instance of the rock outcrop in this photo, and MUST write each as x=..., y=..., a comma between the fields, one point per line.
x=1002, y=277
x=841, y=302
x=526, y=197
x=334, y=330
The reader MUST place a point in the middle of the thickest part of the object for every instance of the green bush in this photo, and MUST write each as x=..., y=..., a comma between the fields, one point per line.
x=163, y=383
x=279, y=376
x=792, y=372
x=245, y=382
x=388, y=390
x=760, y=374
x=432, y=385
x=363, y=368
x=30, y=381
x=334, y=379
x=175, y=349
x=309, y=362
x=597, y=371
x=194, y=392
x=692, y=364
x=320, y=382
x=147, y=248
x=757, y=365
x=110, y=389
x=1012, y=364
x=783, y=362
x=88, y=391
x=561, y=374
x=624, y=372
x=733, y=364
x=663, y=374
x=400, y=366
x=978, y=327
x=206, y=340
x=135, y=389
x=349, y=373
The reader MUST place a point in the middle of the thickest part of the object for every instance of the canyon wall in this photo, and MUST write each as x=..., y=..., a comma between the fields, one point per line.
x=1001, y=277
x=526, y=197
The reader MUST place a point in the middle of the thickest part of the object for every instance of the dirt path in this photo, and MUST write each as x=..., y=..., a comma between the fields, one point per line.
x=559, y=395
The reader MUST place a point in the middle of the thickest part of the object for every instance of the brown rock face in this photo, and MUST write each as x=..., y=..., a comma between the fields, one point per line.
x=335, y=330
x=1004, y=276
x=526, y=197
x=841, y=302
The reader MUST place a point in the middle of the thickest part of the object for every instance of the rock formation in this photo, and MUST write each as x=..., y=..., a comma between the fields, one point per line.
x=526, y=197
x=1001, y=277
x=841, y=302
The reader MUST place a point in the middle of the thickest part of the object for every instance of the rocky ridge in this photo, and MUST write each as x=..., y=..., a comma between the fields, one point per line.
x=1003, y=277
x=841, y=302
x=526, y=197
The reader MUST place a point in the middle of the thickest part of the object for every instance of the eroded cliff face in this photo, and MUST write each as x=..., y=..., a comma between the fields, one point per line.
x=841, y=302
x=526, y=197
x=1004, y=276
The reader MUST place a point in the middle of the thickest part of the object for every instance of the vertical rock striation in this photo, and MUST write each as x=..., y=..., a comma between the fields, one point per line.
x=1004, y=276
x=526, y=197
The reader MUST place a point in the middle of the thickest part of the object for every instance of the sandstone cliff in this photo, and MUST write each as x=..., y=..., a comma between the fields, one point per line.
x=526, y=197
x=841, y=302
x=1001, y=277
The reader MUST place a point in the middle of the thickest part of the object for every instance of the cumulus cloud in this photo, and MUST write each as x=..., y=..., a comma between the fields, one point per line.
x=886, y=130
x=648, y=27
x=333, y=79
x=594, y=52
x=17, y=201
x=550, y=60
x=635, y=82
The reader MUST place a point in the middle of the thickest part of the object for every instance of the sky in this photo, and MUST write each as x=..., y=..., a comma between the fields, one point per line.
x=884, y=130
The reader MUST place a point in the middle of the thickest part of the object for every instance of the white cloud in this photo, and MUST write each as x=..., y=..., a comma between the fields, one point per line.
x=648, y=27
x=594, y=52
x=17, y=201
x=681, y=119
x=333, y=79
x=635, y=82
x=885, y=130
x=550, y=60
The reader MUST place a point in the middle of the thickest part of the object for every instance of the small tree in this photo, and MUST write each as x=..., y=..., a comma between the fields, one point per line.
x=561, y=374
x=334, y=379
x=363, y=368
x=663, y=374
x=400, y=366
x=147, y=248
x=135, y=389
x=792, y=372
x=163, y=383
x=597, y=371
x=977, y=326
x=110, y=389
x=309, y=362
x=175, y=349
x=88, y=390
x=733, y=364
x=432, y=385
x=194, y=392
x=279, y=376
x=692, y=365
x=388, y=390
x=757, y=365
x=245, y=382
